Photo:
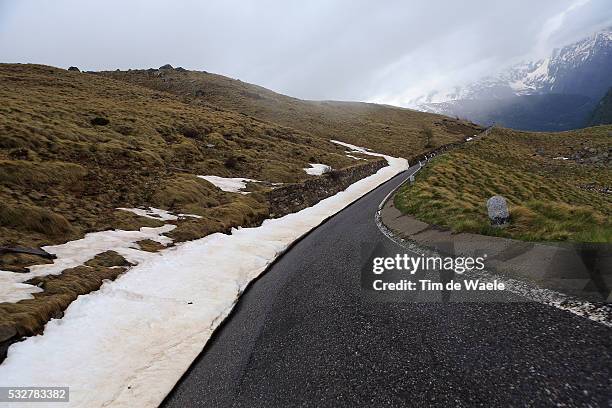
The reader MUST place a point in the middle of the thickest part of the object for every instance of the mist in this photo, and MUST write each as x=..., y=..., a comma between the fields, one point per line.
x=389, y=52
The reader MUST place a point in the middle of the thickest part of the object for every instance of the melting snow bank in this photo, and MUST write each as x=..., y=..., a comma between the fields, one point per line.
x=316, y=169
x=157, y=214
x=229, y=184
x=75, y=253
x=127, y=344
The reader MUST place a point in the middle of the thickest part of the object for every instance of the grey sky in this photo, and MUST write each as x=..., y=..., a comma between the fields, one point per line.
x=385, y=51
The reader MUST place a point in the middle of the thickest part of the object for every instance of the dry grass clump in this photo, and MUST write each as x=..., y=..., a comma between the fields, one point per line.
x=29, y=316
x=545, y=195
x=383, y=128
x=31, y=218
x=149, y=245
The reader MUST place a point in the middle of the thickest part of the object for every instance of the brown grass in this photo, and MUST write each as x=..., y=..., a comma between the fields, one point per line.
x=29, y=316
x=63, y=172
x=388, y=129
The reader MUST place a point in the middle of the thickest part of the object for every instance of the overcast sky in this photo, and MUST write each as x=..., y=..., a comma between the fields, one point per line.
x=384, y=51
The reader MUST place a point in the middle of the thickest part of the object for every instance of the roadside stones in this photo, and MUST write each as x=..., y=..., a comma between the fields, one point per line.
x=497, y=207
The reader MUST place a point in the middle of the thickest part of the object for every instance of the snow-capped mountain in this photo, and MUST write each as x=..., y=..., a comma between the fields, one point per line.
x=582, y=69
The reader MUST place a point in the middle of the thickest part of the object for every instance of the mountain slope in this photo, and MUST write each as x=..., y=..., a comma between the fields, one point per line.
x=602, y=115
x=387, y=129
x=557, y=185
x=74, y=146
x=576, y=75
x=581, y=68
x=548, y=112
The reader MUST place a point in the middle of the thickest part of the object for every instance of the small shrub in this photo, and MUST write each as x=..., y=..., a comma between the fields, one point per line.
x=190, y=132
x=99, y=121
x=231, y=162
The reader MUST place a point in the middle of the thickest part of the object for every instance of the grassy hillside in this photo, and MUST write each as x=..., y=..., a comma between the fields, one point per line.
x=549, y=199
x=602, y=114
x=75, y=146
x=388, y=129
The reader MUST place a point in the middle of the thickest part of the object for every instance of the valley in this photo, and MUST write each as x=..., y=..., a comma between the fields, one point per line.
x=559, y=92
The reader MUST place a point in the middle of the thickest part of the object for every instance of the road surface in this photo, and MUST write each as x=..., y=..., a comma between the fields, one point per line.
x=309, y=332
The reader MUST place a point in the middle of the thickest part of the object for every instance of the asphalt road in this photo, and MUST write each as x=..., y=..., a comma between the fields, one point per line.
x=311, y=332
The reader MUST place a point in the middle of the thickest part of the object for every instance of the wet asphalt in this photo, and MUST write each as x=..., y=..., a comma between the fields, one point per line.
x=312, y=332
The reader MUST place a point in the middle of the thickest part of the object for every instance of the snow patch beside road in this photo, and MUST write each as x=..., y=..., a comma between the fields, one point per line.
x=317, y=169
x=127, y=344
x=229, y=184
x=75, y=253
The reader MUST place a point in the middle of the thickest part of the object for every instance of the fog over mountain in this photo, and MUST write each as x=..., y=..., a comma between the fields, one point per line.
x=391, y=52
x=558, y=92
x=582, y=68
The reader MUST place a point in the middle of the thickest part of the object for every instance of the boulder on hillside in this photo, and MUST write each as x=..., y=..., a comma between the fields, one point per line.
x=497, y=207
x=74, y=69
x=167, y=66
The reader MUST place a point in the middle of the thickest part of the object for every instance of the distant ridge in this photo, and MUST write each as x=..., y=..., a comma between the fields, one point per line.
x=576, y=71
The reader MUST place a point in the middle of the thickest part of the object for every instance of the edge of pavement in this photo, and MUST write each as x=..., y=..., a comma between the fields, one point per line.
x=576, y=269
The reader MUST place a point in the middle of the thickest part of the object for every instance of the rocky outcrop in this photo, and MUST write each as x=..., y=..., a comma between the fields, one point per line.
x=592, y=155
x=294, y=197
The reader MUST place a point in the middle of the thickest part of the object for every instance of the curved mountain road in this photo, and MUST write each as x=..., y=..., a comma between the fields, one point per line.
x=308, y=333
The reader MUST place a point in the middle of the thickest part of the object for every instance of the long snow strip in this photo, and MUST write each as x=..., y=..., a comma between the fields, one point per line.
x=128, y=344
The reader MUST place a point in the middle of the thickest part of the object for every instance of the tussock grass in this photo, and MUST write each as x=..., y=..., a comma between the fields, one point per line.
x=75, y=146
x=546, y=198
x=387, y=129
x=35, y=219
x=30, y=315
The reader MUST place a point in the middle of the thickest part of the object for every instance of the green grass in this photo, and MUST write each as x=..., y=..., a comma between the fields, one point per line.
x=547, y=198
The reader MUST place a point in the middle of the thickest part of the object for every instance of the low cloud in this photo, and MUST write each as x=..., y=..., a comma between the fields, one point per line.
x=388, y=52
